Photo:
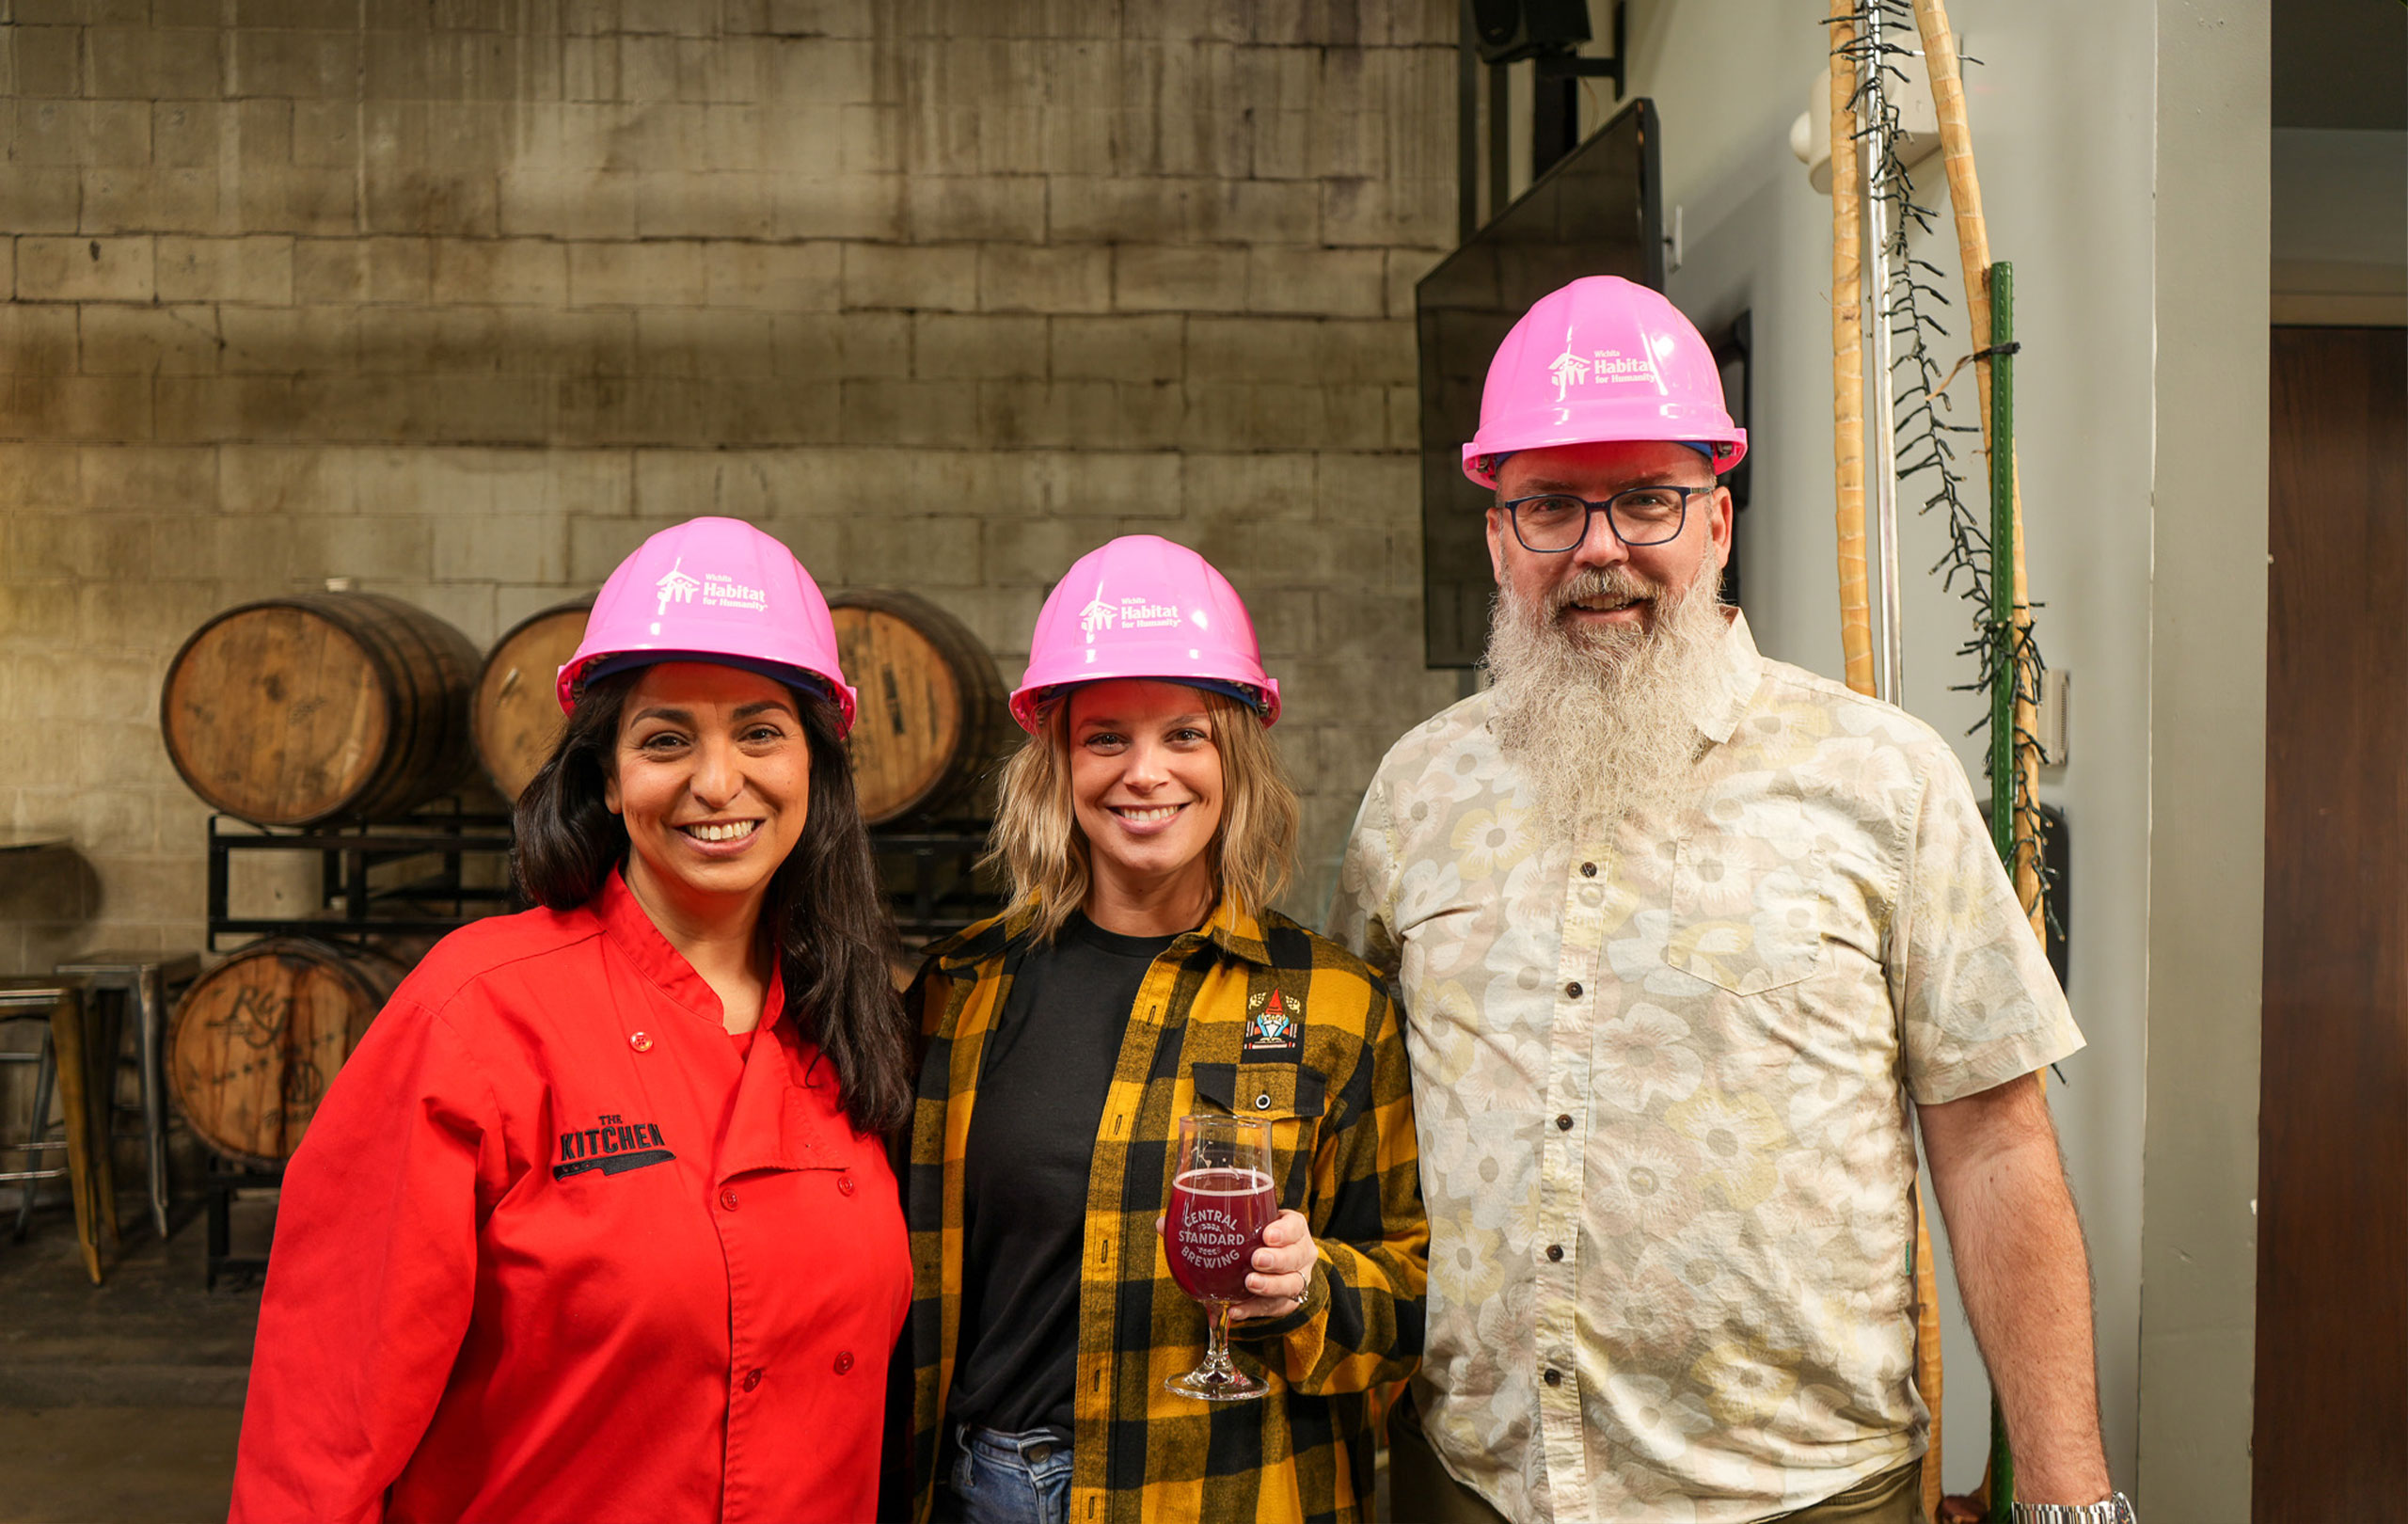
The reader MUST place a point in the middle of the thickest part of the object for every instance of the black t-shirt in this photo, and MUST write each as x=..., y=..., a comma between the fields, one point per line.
x=1043, y=1080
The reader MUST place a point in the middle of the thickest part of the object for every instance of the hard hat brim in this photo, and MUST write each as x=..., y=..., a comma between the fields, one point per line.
x=582, y=671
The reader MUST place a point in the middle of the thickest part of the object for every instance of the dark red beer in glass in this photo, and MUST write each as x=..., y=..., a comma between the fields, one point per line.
x=1221, y=1198
x=1215, y=1224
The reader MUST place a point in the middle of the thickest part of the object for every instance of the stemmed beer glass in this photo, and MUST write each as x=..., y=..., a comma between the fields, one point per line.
x=1221, y=1198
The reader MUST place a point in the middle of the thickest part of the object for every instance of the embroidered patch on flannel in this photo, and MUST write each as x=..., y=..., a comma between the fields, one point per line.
x=1274, y=1026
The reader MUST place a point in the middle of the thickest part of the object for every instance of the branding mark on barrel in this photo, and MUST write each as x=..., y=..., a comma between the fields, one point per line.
x=256, y=1016
x=303, y=1087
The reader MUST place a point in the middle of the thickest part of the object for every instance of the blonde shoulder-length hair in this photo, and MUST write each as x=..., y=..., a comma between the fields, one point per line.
x=1037, y=841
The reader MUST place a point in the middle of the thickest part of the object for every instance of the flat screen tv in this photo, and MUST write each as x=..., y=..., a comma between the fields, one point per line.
x=1598, y=210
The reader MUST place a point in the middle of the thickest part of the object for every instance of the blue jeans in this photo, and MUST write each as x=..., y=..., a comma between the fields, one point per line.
x=1011, y=1478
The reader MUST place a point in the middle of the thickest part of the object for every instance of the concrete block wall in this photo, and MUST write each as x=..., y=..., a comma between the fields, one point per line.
x=462, y=298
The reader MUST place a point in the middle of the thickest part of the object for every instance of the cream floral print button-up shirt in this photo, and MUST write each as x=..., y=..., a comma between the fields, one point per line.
x=1661, y=1083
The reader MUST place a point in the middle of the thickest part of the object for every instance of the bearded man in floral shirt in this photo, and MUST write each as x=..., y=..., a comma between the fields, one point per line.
x=1688, y=940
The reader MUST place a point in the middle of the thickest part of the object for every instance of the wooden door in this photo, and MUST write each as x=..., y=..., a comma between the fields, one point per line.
x=2332, y=1396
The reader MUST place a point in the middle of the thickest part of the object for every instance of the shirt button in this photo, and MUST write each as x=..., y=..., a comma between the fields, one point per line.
x=1587, y=870
x=845, y=1184
x=751, y=1379
x=1572, y=989
x=1262, y=1101
x=727, y=1200
x=843, y=1362
x=1563, y=1124
x=1555, y=1251
x=640, y=1041
x=1555, y=1378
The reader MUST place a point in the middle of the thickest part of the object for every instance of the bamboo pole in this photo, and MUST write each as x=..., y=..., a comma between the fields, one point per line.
x=1848, y=361
x=1973, y=250
x=1930, y=1376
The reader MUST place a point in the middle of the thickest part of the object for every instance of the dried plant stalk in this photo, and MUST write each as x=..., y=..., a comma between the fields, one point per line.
x=1973, y=250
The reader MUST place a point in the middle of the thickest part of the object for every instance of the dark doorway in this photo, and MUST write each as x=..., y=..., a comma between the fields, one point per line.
x=2332, y=1398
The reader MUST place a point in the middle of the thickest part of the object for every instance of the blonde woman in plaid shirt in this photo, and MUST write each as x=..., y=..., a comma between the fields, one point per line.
x=1140, y=975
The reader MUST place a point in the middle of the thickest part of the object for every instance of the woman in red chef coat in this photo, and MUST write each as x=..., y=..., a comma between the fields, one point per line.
x=596, y=1224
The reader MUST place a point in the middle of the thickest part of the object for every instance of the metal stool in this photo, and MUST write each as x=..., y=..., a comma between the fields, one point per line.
x=66, y=1055
x=146, y=979
x=35, y=1144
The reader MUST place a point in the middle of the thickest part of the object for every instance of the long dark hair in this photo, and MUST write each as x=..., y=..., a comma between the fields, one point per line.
x=824, y=910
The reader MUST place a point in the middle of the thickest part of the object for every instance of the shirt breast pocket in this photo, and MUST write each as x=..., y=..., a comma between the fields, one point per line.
x=1291, y=1097
x=1745, y=918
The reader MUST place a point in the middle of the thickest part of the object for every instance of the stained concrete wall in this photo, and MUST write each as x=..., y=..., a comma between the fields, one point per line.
x=461, y=298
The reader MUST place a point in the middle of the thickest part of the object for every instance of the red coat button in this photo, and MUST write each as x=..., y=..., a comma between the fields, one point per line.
x=640, y=1041
x=843, y=1362
x=845, y=1184
x=751, y=1379
x=727, y=1200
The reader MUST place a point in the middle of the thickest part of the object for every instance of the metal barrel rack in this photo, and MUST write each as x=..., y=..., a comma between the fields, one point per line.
x=351, y=901
x=359, y=897
x=931, y=876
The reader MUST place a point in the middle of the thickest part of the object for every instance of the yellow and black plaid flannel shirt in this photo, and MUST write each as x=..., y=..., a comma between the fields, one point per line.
x=1342, y=1111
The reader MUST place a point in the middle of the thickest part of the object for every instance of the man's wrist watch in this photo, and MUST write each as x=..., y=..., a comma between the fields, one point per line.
x=2115, y=1510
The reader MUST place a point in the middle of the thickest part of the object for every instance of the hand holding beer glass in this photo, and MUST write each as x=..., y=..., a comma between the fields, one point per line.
x=1222, y=1199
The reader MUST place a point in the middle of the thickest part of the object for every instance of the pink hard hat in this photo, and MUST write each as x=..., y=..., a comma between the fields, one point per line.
x=1602, y=359
x=1142, y=607
x=712, y=590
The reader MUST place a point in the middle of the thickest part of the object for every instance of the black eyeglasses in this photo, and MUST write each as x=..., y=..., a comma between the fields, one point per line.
x=1554, y=522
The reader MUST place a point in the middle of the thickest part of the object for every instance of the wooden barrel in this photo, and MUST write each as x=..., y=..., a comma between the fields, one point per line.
x=324, y=706
x=257, y=1039
x=514, y=711
x=932, y=719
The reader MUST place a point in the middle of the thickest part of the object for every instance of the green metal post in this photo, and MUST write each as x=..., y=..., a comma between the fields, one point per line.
x=2003, y=560
x=2002, y=680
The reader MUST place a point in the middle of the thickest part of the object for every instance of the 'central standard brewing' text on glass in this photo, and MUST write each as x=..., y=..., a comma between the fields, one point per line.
x=1216, y=1222
x=1221, y=1198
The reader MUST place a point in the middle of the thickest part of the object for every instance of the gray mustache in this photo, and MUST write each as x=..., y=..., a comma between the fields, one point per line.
x=1601, y=582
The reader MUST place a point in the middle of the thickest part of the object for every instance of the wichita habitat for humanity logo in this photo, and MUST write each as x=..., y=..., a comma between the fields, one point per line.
x=1571, y=370
x=678, y=585
x=1126, y=613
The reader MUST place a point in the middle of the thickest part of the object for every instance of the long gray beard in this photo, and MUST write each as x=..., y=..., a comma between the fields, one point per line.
x=1602, y=721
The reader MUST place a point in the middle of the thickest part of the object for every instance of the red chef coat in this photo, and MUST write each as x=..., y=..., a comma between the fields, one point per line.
x=555, y=1248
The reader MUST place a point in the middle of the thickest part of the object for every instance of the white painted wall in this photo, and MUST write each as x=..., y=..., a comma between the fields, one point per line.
x=2206, y=701
x=2062, y=118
